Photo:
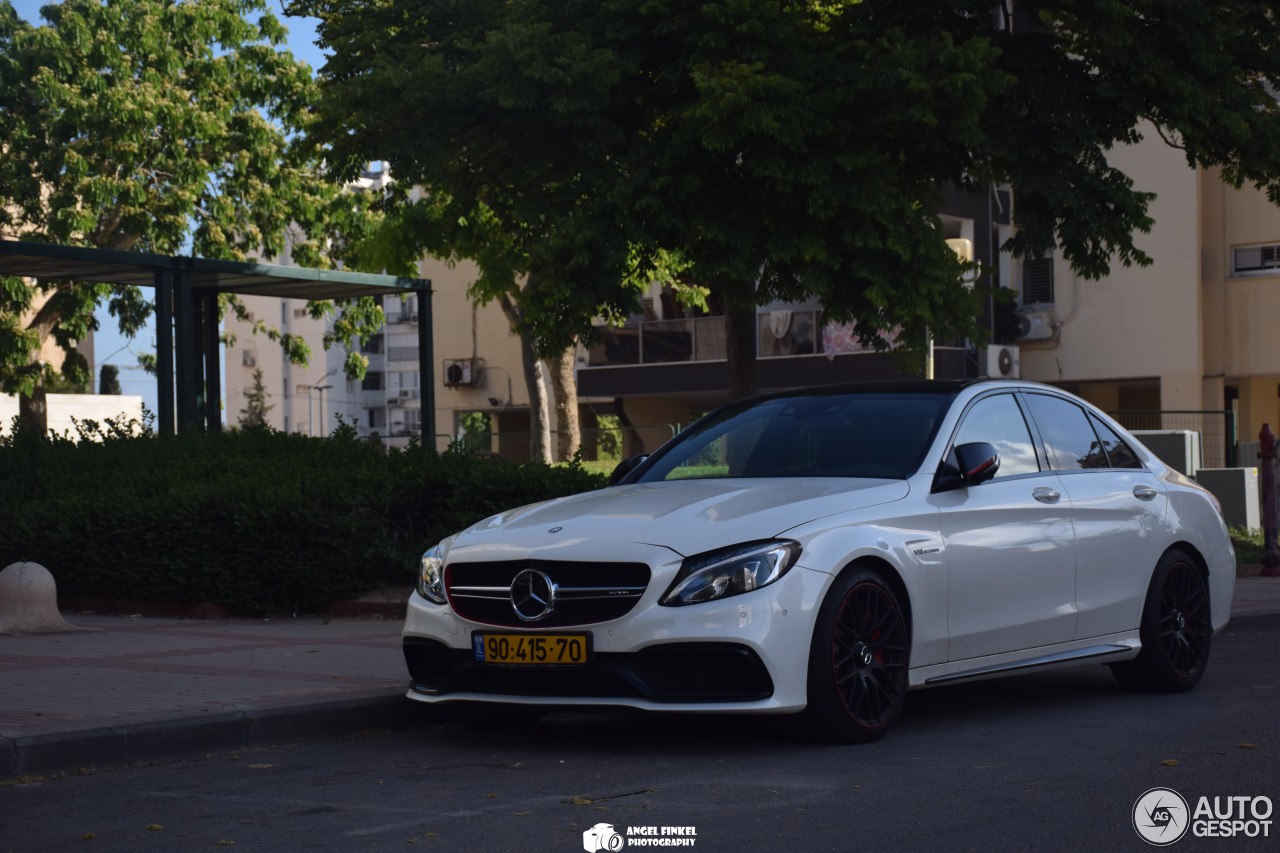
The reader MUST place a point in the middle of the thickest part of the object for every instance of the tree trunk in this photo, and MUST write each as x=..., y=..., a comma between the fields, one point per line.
x=740, y=350
x=33, y=413
x=539, y=428
x=564, y=387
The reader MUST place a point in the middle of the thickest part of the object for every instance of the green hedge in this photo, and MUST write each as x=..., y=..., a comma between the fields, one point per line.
x=260, y=521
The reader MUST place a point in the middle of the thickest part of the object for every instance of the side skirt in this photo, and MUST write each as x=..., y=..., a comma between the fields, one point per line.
x=1040, y=659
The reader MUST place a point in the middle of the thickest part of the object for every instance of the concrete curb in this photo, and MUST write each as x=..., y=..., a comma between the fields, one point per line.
x=193, y=735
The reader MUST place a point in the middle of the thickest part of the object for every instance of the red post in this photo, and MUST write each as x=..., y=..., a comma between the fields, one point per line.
x=1267, y=482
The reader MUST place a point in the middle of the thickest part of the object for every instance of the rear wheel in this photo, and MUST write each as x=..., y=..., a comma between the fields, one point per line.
x=1176, y=631
x=858, y=660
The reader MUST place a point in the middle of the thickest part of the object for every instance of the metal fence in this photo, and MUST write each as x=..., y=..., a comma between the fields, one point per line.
x=598, y=445
x=1218, y=440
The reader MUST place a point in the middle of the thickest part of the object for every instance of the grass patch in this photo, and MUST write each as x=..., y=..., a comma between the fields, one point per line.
x=1248, y=544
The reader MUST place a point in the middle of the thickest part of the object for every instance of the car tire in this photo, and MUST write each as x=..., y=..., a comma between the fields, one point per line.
x=858, y=660
x=1176, y=631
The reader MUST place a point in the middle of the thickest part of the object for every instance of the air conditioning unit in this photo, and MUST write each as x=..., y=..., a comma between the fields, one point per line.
x=1003, y=362
x=1035, y=325
x=406, y=393
x=413, y=318
x=459, y=372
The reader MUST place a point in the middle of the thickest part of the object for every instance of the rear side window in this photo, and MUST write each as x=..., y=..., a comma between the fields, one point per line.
x=1067, y=434
x=1118, y=452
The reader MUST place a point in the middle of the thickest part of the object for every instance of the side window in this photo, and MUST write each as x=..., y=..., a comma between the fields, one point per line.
x=998, y=421
x=1070, y=440
x=1120, y=454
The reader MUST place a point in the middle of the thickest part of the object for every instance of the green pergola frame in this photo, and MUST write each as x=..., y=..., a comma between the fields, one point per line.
x=186, y=305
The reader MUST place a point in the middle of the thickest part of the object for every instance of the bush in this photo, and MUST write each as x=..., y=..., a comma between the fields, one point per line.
x=260, y=521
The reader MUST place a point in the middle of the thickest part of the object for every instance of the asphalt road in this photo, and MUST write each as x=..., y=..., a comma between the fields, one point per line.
x=1054, y=761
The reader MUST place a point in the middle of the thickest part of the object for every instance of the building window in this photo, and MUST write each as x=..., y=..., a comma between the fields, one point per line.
x=1037, y=280
x=374, y=344
x=1256, y=260
x=372, y=381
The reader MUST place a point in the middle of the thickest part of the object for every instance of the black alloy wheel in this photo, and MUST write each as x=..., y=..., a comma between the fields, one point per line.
x=858, y=660
x=1176, y=630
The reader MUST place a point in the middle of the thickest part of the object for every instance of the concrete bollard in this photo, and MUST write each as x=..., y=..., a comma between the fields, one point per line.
x=29, y=601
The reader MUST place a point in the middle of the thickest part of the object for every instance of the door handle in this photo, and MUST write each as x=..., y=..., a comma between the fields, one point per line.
x=1144, y=493
x=1046, y=495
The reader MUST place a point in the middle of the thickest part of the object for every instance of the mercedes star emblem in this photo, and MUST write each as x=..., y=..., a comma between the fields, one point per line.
x=533, y=595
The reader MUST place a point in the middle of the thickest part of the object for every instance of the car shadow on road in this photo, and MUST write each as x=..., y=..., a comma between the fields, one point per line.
x=978, y=707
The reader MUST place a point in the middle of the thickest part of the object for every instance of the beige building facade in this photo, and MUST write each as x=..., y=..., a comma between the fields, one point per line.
x=1194, y=332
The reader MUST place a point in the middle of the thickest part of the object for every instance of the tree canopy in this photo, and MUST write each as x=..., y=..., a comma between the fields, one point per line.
x=152, y=125
x=790, y=149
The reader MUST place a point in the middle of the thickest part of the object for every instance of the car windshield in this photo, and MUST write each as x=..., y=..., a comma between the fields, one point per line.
x=877, y=435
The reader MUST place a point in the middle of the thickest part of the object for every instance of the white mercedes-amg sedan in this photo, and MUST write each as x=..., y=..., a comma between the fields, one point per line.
x=821, y=551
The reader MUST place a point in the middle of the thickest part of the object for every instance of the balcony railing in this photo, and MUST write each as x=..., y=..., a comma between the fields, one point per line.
x=778, y=333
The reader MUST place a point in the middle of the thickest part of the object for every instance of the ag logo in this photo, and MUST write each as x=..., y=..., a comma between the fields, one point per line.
x=1161, y=816
x=601, y=837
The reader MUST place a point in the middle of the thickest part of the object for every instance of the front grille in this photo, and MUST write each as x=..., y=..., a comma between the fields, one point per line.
x=586, y=593
x=668, y=673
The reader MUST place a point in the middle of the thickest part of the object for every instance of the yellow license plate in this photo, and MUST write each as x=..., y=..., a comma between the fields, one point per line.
x=531, y=648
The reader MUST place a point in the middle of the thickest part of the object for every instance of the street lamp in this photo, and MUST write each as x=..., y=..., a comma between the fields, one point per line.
x=311, y=431
x=322, y=389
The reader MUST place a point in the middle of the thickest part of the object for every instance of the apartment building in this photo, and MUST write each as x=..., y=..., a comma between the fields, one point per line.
x=476, y=366
x=667, y=364
x=1191, y=333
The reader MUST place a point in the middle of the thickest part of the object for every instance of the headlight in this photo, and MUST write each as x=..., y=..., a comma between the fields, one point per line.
x=732, y=571
x=431, y=575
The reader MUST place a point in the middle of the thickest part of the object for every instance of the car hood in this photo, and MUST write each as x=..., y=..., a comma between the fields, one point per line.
x=687, y=516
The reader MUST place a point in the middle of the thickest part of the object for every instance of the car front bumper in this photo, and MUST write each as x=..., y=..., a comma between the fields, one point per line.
x=746, y=653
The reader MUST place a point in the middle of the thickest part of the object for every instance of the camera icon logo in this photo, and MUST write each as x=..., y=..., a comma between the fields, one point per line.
x=602, y=837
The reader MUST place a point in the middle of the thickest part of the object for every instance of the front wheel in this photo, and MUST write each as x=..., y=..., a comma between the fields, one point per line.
x=858, y=660
x=1175, y=631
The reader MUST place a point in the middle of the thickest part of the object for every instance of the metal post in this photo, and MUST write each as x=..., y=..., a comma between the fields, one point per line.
x=164, y=351
x=1267, y=482
x=187, y=341
x=321, y=389
x=212, y=347
x=426, y=359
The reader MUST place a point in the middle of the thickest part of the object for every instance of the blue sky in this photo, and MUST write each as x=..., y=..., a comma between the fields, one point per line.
x=110, y=347
x=302, y=31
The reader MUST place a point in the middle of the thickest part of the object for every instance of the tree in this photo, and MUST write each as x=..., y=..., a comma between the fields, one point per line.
x=109, y=380
x=254, y=413
x=795, y=149
x=152, y=125
x=501, y=184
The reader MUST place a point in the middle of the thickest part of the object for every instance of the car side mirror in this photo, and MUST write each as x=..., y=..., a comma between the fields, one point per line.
x=625, y=467
x=967, y=465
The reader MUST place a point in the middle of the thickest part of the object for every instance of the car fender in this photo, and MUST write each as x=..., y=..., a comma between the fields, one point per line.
x=909, y=546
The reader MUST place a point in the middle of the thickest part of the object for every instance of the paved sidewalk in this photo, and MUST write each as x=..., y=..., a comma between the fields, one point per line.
x=131, y=690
